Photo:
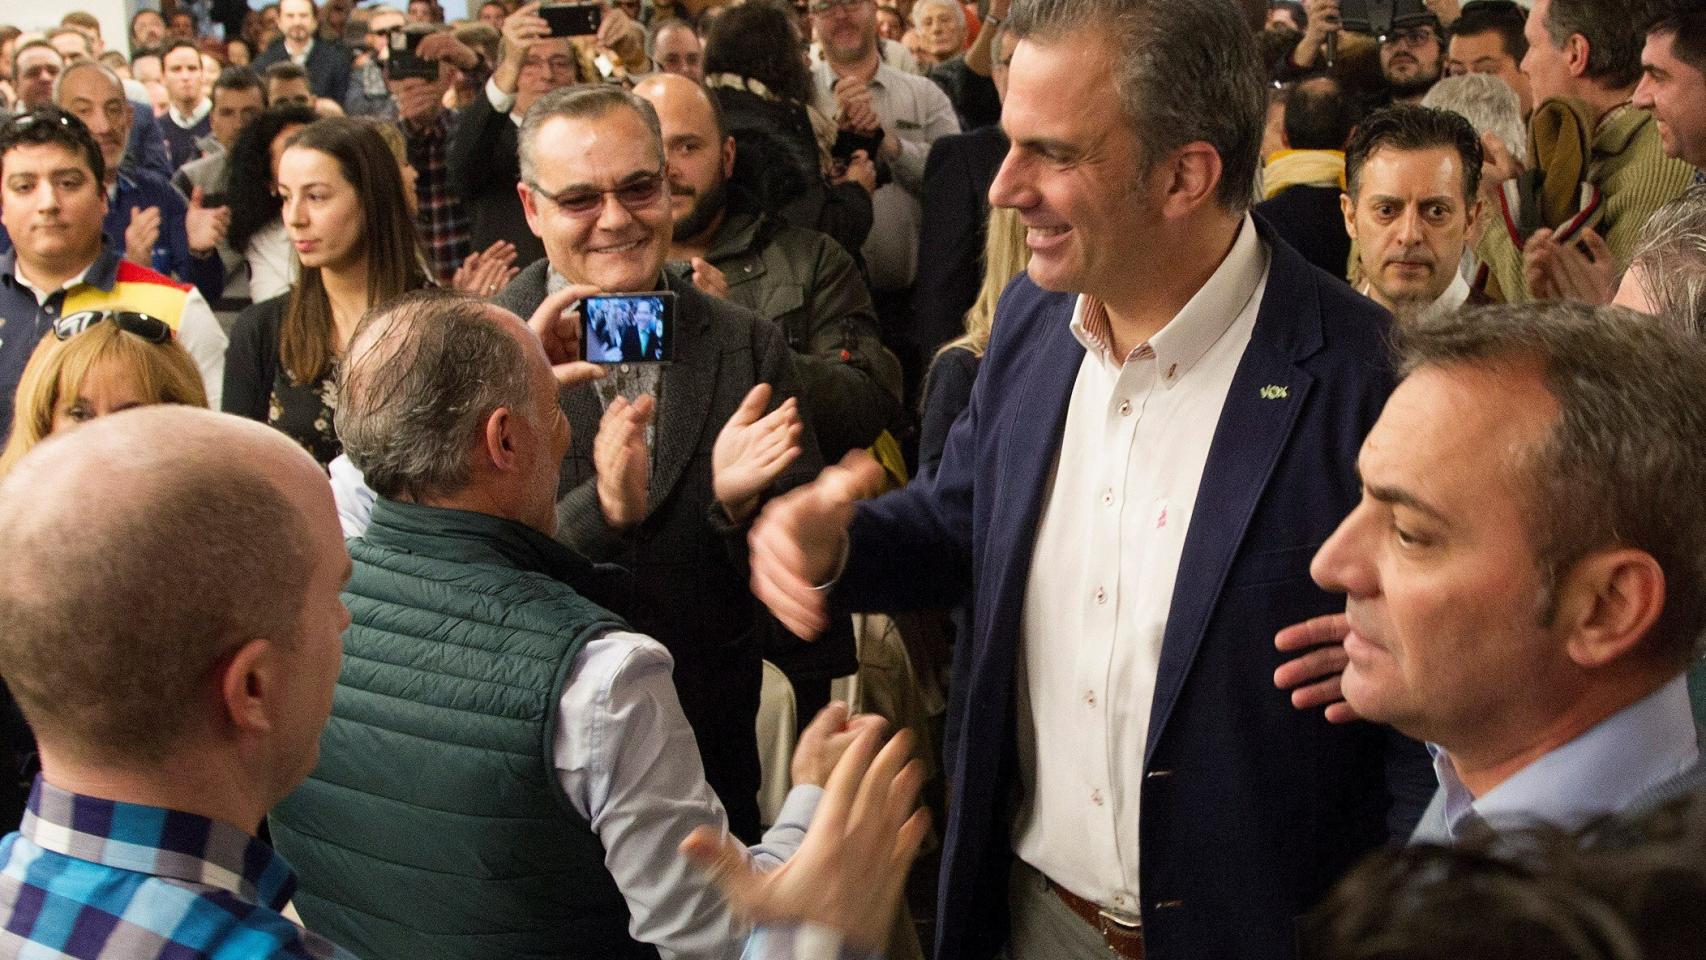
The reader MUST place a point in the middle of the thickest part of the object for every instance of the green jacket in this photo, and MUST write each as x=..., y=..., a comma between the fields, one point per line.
x=805, y=283
x=1635, y=178
x=434, y=825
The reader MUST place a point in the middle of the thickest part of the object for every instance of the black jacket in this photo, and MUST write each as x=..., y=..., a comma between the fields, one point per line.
x=956, y=212
x=687, y=577
x=328, y=66
x=484, y=168
x=806, y=284
x=776, y=163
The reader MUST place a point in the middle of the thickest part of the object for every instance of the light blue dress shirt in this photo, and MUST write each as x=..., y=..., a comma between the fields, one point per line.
x=1622, y=757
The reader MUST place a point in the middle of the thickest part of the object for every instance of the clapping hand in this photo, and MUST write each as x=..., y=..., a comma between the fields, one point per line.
x=752, y=451
x=486, y=272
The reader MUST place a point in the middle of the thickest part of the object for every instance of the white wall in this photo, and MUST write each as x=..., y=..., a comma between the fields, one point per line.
x=44, y=15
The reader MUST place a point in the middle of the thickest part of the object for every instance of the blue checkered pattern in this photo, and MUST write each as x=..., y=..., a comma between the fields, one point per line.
x=85, y=877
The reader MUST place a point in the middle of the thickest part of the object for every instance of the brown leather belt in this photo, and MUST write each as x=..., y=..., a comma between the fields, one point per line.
x=1123, y=937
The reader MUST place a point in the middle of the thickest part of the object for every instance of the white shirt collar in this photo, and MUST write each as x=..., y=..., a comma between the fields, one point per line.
x=1200, y=323
x=42, y=295
x=187, y=120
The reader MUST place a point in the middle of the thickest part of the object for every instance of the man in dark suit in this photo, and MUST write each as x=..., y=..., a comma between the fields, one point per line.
x=327, y=61
x=1303, y=182
x=957, y=175
x=667, y=500
x=1164, y=427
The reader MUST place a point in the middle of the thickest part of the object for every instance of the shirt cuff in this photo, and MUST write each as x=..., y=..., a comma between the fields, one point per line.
x=500, y=101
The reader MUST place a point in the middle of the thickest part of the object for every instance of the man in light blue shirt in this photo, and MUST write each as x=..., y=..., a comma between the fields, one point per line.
x=1523, y=574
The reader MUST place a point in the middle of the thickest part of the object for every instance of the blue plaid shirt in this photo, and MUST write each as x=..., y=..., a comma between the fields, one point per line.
x=85, y=877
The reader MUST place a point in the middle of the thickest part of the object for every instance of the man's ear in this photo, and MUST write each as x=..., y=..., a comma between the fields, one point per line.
x=1194, y=173
x=1576, y=51
x=249, y=685
x=728, y=157
x=1607, y=604
x=1348, y=207
x=499, y=441
x=527, y=208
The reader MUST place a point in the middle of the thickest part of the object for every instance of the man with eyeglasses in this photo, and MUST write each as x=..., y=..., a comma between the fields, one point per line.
x=52, y=206
x=1412, y=58
x=895, y=116
x=661, y=477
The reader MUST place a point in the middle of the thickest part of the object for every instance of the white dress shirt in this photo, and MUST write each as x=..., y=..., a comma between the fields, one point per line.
x=1108, y=544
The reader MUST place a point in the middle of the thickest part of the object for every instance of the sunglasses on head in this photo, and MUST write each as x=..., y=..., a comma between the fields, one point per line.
x=149, y=328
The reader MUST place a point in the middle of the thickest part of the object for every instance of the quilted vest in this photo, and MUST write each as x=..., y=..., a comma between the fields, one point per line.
x=434, y=826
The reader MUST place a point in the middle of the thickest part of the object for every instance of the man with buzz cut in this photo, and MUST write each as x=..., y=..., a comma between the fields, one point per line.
x=188, y=109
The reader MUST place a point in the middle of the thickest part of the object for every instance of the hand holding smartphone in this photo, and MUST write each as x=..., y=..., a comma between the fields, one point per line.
x=628, y=328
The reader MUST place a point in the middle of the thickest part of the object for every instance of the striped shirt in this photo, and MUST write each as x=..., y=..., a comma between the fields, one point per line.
x=86, y=877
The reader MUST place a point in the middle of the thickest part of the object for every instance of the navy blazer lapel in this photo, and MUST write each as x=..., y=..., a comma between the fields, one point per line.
x=685, y=398
x=1031, y=437
x=1268, y=392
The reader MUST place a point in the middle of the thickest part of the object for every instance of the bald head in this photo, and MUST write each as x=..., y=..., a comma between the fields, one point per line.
x=145, y=546
x=685, y=99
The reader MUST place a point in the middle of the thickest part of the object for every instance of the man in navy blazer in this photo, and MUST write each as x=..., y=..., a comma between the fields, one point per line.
x=1163, y=431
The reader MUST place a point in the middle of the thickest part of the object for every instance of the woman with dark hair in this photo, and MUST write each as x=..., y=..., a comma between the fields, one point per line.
x=255, y=230
x=343, y=208
x=755, y=66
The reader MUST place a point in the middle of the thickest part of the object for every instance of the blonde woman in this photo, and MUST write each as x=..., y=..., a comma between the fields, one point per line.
x=947, y=385
x=93, y=364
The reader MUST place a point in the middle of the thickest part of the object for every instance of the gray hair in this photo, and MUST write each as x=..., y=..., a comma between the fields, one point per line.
x=944, y=4
x=422, y=375
x=582, y=102
x=147, y=546
x=1614, y=29
x=106, y=71
x=1490, y=106
x=1671, y=253
x=1185, y=70
x=1622, y=465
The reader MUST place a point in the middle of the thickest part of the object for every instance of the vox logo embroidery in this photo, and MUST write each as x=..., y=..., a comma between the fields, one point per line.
x=1274, y=391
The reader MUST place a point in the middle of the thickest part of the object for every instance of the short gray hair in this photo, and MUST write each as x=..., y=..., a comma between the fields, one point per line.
x=588, y=102
x=944, y=4
x=1490, y=106
x=422, y=374
x=1623, y=463
x=1185, y=70
x=1671, y=252
x=1614, y=29
x=106, y=71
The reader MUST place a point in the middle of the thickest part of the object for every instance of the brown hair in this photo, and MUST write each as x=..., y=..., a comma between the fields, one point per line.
x=389, y=241
x=162, y=372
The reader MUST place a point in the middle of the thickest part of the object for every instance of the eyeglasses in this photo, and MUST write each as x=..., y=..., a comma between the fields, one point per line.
x=1411, y=36
x=822, y=7
x=149, y=328
x=24, y=121
x=634, y=195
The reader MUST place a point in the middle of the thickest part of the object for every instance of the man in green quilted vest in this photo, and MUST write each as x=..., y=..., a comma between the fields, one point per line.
x=507, y=771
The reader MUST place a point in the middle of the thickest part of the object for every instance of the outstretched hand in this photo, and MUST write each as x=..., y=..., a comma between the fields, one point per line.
x=797, y=542
x=850, y=869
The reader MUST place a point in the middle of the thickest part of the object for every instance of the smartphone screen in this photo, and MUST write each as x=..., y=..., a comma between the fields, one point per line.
x=573, y=19
x=628, y=328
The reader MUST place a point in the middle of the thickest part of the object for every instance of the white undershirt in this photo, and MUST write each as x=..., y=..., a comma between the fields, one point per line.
x=1101, y=582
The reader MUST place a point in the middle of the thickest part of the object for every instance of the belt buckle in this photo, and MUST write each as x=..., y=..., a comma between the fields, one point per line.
x=1126, y=923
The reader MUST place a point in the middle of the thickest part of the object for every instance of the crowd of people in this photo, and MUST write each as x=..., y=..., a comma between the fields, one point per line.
x=622, y=479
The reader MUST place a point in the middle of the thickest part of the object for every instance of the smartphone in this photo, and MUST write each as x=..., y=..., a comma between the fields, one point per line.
x=573, y=19
x=628, y=328
x=402, y=61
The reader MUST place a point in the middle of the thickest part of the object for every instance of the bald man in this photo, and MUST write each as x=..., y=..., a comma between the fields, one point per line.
x=143, y=541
